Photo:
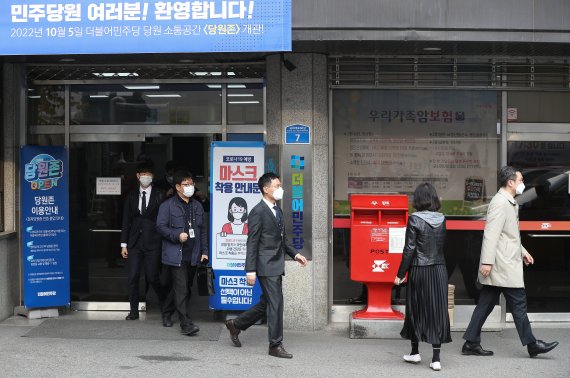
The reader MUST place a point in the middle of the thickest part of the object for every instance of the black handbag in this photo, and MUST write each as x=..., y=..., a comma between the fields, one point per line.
x=205, y=280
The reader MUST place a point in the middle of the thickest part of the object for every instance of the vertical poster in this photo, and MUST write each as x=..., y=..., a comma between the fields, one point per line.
x=236, y=167
x=297, y=181
x=45, y=226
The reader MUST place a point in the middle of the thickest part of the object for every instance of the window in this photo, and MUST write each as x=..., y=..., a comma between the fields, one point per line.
x=391, y=141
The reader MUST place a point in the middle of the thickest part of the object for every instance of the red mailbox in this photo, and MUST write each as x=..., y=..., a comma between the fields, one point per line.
x=377, y=237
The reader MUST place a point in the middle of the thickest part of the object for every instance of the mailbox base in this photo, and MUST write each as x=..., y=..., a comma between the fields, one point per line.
x=379, y=303
x=375, y=328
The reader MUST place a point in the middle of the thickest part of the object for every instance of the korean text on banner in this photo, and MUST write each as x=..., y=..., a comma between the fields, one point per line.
x=40, y=27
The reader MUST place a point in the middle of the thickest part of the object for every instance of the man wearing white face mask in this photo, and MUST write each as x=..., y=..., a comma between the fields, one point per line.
x=140, y=243
x=182, y=226
x=501, y=268
x=267, y=245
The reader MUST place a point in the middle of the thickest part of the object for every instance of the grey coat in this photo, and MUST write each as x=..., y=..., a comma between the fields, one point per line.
x=502, y=246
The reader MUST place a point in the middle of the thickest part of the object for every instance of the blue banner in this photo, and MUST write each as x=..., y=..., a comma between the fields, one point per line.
x=45, y=226
x=40, y=27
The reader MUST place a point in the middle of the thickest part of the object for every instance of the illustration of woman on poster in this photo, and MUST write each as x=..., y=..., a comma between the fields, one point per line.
x=237, y=216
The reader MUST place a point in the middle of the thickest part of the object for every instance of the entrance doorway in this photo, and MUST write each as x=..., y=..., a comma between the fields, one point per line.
x=101, y=176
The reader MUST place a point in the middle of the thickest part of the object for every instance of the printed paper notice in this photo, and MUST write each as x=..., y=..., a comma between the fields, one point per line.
x=108, y=186
x=397, y=238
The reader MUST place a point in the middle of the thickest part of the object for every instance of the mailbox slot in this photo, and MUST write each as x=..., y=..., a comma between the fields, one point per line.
x=365, y=217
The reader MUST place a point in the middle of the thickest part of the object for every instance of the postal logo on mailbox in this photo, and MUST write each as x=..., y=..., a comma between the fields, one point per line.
x=380, y=266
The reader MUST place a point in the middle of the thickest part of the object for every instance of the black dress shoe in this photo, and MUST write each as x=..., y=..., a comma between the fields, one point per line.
x=471, y=349
x=190, y=330
x=279, y=352
x=166, y=320
x=234, y=332
x=540, y=347
x=132, y=316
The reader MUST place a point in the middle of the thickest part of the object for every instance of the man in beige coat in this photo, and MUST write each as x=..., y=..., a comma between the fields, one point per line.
x=501, y=268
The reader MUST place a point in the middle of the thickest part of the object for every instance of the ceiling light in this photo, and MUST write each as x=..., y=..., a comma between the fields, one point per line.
x=236, y=86
x=432, y=49
x=199, y=73
x=242, y=102
x=34, y=97
x=230, y=73
x=98, y=96
x=134, y=86
x=240, y=94
x=214, y=86
x=174, y=95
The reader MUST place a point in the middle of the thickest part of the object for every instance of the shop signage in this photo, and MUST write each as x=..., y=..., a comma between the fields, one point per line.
x=45, y=226
x=40, y=27
x=236, y=167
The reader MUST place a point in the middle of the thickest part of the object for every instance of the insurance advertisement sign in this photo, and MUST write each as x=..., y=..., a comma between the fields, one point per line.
x=39, y=27
x=45, y=226
x=236, y=167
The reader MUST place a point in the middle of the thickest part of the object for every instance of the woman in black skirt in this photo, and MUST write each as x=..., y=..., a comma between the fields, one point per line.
x=427, y=318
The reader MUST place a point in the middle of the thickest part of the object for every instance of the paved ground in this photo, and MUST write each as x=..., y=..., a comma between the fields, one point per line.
x=328, y=353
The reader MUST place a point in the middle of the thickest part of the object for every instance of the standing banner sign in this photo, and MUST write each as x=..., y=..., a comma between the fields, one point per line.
x=45, y=226
x=236, y=167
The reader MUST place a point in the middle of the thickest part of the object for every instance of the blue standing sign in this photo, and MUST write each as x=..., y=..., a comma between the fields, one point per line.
x=45, y=226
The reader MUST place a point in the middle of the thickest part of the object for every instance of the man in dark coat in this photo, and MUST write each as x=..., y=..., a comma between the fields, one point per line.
x=140, y=243
x=182, y=225
x=267, y=245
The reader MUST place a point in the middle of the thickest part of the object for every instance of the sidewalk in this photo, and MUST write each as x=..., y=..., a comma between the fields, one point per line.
x=328, y=353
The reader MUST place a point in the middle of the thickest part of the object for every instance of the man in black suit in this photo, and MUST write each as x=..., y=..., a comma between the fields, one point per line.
x=140, y=243
x=267, y=245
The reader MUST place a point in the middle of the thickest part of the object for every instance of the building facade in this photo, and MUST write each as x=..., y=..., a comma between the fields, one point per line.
x=395, y=93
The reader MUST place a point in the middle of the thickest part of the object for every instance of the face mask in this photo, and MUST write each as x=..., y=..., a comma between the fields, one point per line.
x=237, y=215
x=278, y=194
x=189, y=191
x=170, y=179
x=520, y=188
x=145, y=181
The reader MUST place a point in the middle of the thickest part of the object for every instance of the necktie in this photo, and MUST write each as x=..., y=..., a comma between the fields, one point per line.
x=143, y=203
x=278, y=217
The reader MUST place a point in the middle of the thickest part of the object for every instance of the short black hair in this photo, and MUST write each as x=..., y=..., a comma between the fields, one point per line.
x=180, y=176
x=239, y=202
x=426, y=198
x=265, y=180
x=505, y=174
x=145, y=166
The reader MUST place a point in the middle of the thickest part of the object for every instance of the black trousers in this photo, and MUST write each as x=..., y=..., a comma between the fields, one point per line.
x=516, y=301
x=270, y=304
x=178, y=298
x=149, y=260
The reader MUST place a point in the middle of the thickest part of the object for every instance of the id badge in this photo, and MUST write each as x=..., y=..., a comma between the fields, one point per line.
x=191, y=234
